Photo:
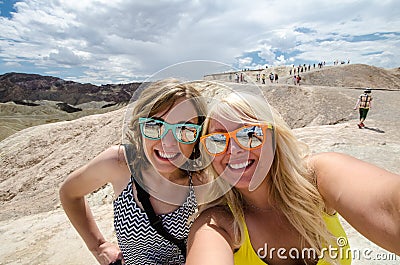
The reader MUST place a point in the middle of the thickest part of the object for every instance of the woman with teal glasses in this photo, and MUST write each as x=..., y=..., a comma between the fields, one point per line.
x=283, y=205
x=152, y=178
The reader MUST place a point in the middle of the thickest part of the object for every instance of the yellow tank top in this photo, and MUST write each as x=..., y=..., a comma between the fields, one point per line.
x=247, y=255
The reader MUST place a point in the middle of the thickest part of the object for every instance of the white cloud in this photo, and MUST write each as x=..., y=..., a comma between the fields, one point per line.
x=113, y=41
x=12, y=64
x=64, y=56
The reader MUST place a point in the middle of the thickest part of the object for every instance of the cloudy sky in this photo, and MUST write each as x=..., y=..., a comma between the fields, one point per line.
x=120, y=41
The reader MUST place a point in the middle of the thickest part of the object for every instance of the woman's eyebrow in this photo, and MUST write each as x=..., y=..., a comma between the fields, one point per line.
x=179, y=122
x=157, y=118
x=222, y=130
x=187, y=122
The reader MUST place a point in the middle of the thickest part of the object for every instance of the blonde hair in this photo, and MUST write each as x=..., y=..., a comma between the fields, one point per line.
x=158, y=97
x=292, y=185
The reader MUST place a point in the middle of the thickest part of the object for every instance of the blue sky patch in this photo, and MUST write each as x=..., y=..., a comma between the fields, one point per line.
x=366, y=37
x=325, y=39
x=371, y=37
x=255, y=59
x=6, y=7
x=305, y=30
x=372, y=53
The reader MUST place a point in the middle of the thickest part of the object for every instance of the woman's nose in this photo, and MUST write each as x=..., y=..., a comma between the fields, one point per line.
x=233, y=147
x=169, y=139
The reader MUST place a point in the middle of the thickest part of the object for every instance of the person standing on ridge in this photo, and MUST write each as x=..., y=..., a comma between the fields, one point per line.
x=364, y=104
x=271, y=77
x=298, y=78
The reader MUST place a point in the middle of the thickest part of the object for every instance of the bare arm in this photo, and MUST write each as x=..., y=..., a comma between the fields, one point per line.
x=83, y=181
x=367, y=196
x=358, y=103
x=209, y=242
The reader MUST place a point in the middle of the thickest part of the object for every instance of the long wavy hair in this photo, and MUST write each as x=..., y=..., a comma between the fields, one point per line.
x=292, y=184
x=158, y=97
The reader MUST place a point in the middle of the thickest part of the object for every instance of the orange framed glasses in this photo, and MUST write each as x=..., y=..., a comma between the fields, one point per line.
x=248, y=137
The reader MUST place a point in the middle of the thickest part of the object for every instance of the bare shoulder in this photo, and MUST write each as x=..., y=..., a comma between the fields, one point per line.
x=217, y=219
x=331, y=167
x=211, y=238
x=331, y=160
x=109, y=164
x=114, y=153
x=107, y=167
x=114, y=157
x=216, y=215
x=326, y=156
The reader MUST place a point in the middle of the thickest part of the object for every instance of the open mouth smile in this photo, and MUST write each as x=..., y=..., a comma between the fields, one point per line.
x=166, y=156
x=241, y=165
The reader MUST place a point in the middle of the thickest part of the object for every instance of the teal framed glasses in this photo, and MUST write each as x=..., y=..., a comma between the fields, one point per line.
x=153, y=129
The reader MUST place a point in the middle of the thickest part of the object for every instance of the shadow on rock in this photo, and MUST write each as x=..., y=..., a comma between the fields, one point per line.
x=374, y=129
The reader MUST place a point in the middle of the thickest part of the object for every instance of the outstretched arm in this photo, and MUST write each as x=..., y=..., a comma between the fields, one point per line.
x=209, y=242
x=81, y=182
x=368, y=197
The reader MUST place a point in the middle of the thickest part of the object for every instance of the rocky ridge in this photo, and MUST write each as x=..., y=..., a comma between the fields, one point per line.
x=32, y=87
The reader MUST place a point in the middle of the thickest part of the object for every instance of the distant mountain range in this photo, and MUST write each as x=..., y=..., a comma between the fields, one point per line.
x=24, y=88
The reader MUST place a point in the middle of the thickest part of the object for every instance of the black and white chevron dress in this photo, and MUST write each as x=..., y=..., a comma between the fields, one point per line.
x=139, y=241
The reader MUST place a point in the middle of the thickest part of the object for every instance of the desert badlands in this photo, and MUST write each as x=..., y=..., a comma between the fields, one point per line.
x=34, y=161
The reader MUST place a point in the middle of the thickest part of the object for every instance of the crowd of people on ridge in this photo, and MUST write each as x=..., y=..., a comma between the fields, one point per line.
x=262, y=76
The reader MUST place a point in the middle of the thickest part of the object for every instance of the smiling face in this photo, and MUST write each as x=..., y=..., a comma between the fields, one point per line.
x=245, y=169
x=167, y=154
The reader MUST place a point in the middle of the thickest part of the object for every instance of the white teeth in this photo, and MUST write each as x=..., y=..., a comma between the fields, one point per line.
x=167, y=156
x=240, y=165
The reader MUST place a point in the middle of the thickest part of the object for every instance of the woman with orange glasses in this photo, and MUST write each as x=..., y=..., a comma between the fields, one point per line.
x=283, y=205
